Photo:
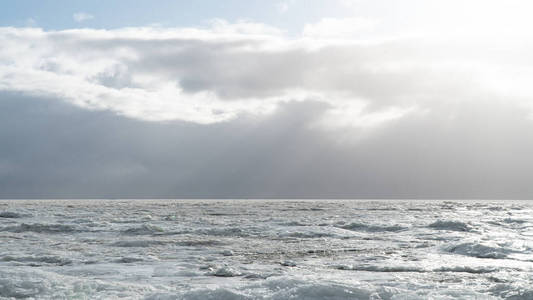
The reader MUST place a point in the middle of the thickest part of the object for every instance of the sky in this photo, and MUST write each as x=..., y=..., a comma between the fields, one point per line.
x=266, y=99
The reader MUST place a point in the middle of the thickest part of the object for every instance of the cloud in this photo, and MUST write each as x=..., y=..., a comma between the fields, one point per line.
x=245, y=110
x=195, y=75
x=216, y=74
x=56, y=150
x=81, y=17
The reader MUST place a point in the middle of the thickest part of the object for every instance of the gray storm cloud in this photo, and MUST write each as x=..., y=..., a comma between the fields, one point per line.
x=249, y=112
x=53, y=149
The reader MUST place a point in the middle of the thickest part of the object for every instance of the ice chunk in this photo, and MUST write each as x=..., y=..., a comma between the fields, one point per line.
x=479, y=250
x=450, y=225
x=145, y=229
x=225, y=272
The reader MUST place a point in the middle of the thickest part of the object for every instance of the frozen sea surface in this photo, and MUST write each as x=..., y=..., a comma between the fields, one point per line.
x=266, y=249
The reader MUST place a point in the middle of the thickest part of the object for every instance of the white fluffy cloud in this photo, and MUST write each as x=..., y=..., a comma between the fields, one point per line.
x=217, y=73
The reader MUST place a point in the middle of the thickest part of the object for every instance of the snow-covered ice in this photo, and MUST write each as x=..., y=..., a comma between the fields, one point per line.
x=266, y=249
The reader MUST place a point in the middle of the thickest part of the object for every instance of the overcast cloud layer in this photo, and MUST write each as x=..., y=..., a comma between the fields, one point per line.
x=345, y=109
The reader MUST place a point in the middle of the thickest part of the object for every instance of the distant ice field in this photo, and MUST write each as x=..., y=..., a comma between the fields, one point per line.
x=266, y=249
